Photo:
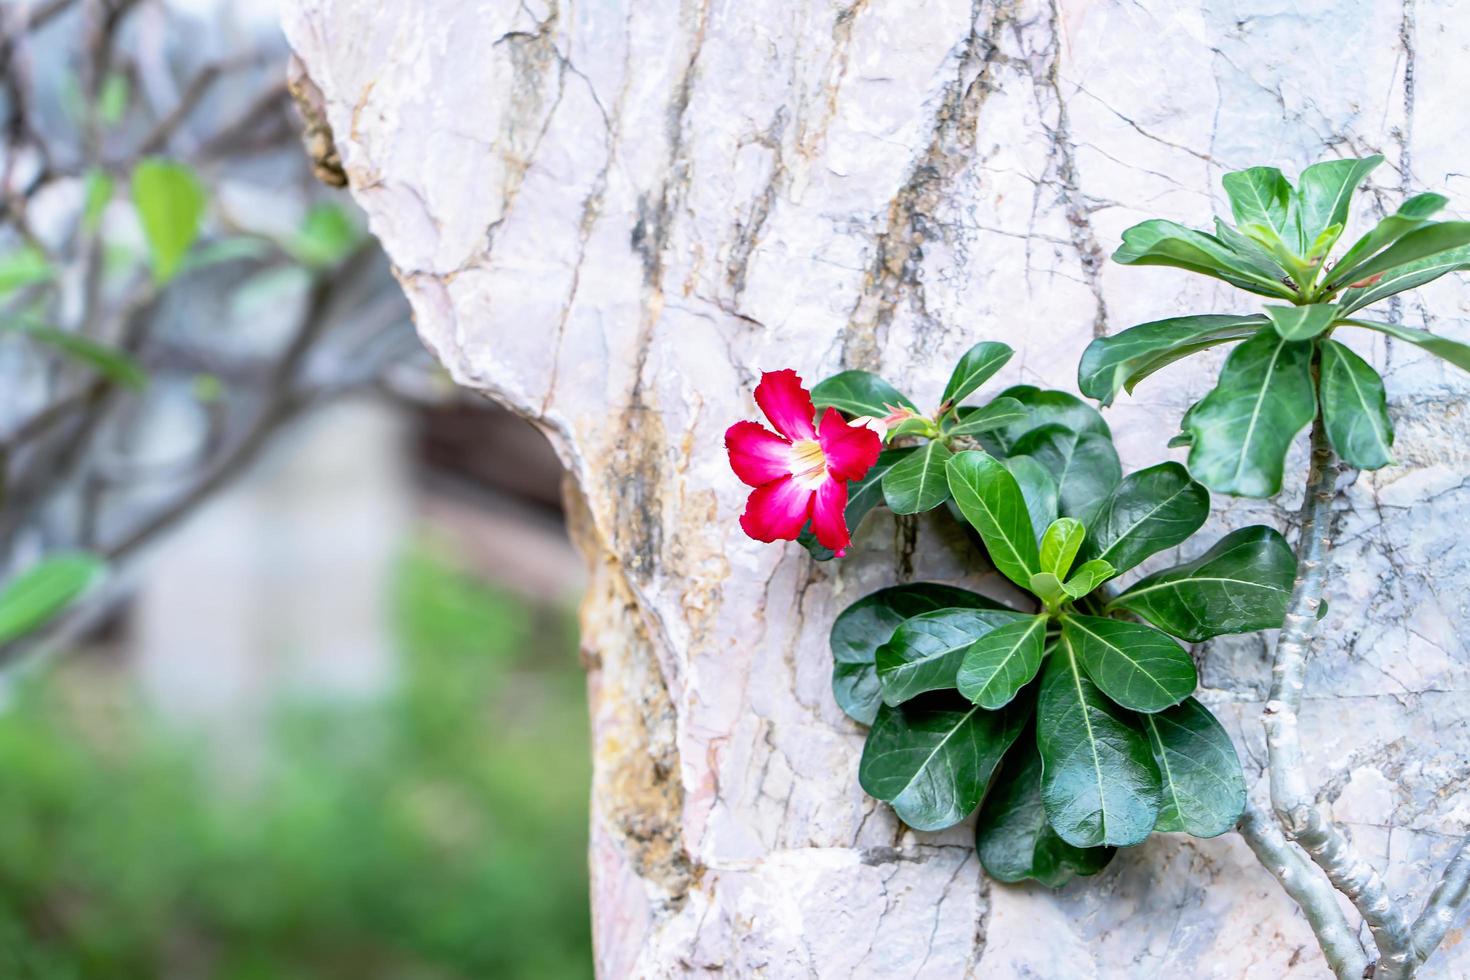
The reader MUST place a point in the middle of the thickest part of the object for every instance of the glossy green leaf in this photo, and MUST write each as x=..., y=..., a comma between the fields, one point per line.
x=1241, y=430
x=106, y=360
x=1152, y=509
x=1251, y=252
x=1407, y=276
x=1085, y=466
x=918, y=482
x=1301, y=322
x=1323, y=193
x=1453, y=351
x=862, y=496
x=1037, y=487
x=1047, y=587
x=1012, y=835
x=931, y=758
x=1110, y=364
x=867, y=624
x=1089, y=575
x=990, y=498
x=977, y=366
x=170, y=204
x=925, y=652
x=1260, y=195
x=858, y=393
x=1160, y=242
x=1355, y=408
x=1412, y=215
x=24, y=266
x=1099, y=783
x=998, y=664
x=1203, y=787
x=1135, y=665
x=1060, y=544
x=37, y=595
x=1044, y=407
x=1240, y=585
x=999, y=414
x=1431, y=240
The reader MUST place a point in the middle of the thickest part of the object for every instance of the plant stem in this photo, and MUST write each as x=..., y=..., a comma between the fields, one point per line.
x=1443, y=905
x=1293, y=801
x=1309, y=889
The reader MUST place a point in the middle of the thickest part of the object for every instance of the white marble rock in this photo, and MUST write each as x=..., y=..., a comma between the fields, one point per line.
x=611, y=216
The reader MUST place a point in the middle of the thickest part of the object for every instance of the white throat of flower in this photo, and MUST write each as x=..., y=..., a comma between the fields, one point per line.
x=808, y=463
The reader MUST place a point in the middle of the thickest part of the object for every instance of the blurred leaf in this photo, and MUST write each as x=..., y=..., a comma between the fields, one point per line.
x=97, y=196
x=35, y=596
x=207, y=388
x=327, y=236
x=235, y=248
x=112, y=100
x=25, y=266
x=170, y=203
x=106, y=360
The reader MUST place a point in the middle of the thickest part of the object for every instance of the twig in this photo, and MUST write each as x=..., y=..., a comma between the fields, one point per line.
x=1445, y=903
x=1311, y=891
x=1294, y=803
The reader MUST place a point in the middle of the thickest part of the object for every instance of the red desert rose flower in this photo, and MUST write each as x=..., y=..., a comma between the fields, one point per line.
x=802, y=473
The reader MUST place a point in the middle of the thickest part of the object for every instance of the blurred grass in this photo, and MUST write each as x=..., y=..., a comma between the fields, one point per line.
x=438, y=835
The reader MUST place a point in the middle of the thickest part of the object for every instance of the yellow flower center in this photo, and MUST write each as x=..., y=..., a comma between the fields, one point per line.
x=808, y=463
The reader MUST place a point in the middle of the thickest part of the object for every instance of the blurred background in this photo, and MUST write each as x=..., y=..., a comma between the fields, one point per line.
x=289, y=683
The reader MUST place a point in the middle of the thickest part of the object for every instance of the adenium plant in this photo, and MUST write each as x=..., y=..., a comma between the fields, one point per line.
x=1068, y=719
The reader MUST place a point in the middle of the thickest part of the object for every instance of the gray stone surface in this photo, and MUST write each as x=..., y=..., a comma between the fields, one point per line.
x=611, y=216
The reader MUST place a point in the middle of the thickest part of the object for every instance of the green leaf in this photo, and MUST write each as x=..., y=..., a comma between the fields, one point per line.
x=97, y=196
x=1088, y=577
x=1152, y=509
x=1301, y=322
x=862, y=496
x=996, y=665
x=1404, y=277
x=1084, y=464
x=1355, y=408
x=1260, y=195
x=990, y=498
x=1263, y=260
x=1241, y=430
x=1012, y=836
x=867, y=624
x=1453, y=351
x=1323, y=193
x=1135, y=665
x=108, y=361
x=24, y=266
x=1160, y=242
x=112, y=100
x=926, y=651
x=1099, y=783
x=931, y=758
x=858, y=393
x=977, y=366
x=1048, y=407
x=1060, y=544
x=1240, y=585
x=918, y=482
x=1111, y=364
x=1047, y=587
x=1000, y=413
x=37, y=595
x=1412, y=215
x=170, y=203
x=327, y=236
x=1427, y=242
x=1037, y=487
x=1203, y=787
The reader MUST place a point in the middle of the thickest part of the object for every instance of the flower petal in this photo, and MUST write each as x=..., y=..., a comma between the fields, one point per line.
x=828, y=520
x=787, y=404
x=851, y=450
x=777, y=511
x=757, y=455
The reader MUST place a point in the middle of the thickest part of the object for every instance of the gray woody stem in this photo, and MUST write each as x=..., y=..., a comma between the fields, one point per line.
x=1309, y=889
x=1293, y=801
x=1443, y=905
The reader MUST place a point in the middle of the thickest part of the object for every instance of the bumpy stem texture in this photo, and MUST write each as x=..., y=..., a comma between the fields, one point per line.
x=1443, y=906
x=1309, y=889
x=1293, y=801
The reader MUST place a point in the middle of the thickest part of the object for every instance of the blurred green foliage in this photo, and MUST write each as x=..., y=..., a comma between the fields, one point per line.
x=440, y=834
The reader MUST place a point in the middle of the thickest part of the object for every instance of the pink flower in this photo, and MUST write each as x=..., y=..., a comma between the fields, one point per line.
x=802, y=473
